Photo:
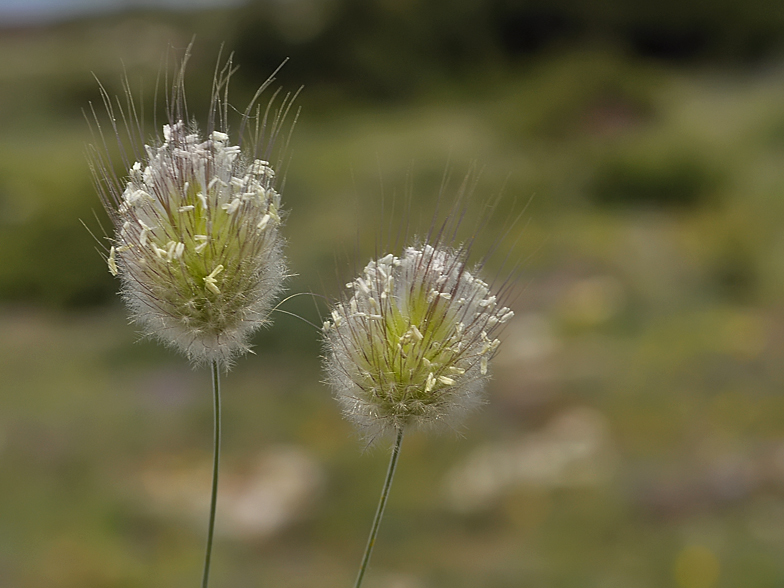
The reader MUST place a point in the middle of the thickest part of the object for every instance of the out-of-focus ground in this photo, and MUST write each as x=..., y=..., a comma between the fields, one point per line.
x=634, y=430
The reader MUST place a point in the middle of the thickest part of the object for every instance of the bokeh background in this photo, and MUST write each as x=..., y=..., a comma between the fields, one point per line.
x=634, y=430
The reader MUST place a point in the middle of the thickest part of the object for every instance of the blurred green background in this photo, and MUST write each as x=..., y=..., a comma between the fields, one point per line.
x=634, y=431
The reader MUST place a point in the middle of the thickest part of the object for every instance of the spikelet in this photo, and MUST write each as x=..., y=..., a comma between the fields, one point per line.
x=197, y=243
x=411, y=344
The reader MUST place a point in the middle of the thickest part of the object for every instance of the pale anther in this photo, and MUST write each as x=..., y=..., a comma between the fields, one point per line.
x=111, y=262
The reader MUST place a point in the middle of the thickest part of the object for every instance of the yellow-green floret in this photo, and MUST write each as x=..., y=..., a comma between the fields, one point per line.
x=411, y=344
x=197, y=245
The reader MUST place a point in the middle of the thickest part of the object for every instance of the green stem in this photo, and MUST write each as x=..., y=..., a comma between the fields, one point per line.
x=380, y=510
x=215, y=464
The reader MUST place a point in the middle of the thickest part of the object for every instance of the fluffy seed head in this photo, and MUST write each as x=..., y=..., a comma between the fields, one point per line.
x=410, y=344
x=196, y=243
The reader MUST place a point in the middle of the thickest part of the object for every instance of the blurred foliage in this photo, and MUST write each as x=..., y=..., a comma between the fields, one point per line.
x=356, y=45
x=505, y=58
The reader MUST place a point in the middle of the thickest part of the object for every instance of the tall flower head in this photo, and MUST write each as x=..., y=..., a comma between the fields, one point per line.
x=196, y=243
x=411, y=342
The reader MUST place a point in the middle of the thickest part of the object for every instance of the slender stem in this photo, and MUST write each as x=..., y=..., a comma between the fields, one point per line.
x=215, y=464
x=380, y=510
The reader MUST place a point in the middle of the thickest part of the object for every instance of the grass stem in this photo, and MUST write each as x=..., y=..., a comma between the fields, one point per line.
x=380, y=510
x=215, y=463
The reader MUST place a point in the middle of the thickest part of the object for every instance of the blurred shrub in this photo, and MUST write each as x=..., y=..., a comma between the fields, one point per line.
x=735, y=272
x=672, y=181
x=582, y=92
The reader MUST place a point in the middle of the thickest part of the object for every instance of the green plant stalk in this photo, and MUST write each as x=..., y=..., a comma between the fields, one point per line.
x=380, y=510
x=215, y=463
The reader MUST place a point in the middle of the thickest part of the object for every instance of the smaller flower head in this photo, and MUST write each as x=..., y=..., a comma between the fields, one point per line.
x=196, y=245
x=411, y=344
